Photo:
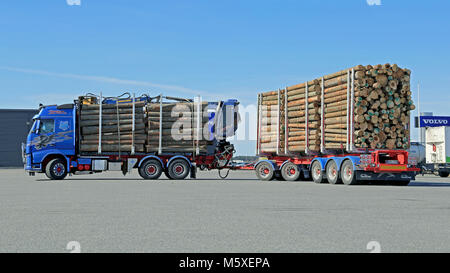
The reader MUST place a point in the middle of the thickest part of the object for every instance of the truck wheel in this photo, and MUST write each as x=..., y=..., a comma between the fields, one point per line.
x=178, y=169
x=316, y=172
x=333, y=173
x=290, y=172
x=443, y=174
x=264, y=171
x=348, y=174
x=56, y=169
x=150, y=169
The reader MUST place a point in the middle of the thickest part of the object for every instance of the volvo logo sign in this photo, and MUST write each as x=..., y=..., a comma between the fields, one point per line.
x=434, y=121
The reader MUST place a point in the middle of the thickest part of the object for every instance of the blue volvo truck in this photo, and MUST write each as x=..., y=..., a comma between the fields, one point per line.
x=54, y=141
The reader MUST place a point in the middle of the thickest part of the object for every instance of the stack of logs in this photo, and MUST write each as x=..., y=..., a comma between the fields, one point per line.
x=301, y=105
x=179, y=127
x=116, y=130
x=272, y=117
x=382, y=105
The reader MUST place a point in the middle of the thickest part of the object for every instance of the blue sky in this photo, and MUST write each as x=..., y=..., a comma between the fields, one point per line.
x=51, y=52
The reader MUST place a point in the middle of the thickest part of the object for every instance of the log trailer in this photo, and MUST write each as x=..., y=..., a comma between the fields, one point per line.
x=348, y=164
x=54, y=141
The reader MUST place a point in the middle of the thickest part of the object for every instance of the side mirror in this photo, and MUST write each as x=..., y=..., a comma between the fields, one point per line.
x=38, y=126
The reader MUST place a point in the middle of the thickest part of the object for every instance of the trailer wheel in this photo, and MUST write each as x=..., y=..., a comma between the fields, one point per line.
x=290, y=172
x=264, y=171
x=443, y=174
x=316, y=172
x=151, y=169
x=178, y=169
x=348, y=174
x=56, y=169
x=333, y=173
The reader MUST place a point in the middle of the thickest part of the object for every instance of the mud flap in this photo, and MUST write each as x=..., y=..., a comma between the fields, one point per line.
x=362, y=175
x=193, y=172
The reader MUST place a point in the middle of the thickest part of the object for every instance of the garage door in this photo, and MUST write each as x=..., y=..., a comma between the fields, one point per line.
x=15, y=125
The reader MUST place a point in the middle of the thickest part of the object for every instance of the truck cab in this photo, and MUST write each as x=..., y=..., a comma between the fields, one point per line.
x=51, y=140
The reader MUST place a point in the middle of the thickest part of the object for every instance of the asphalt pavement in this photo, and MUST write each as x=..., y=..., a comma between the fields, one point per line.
x=114, y=213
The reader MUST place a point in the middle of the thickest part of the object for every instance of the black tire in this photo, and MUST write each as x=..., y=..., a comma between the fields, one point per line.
x=151, y=169
x=443, y=174
x=264, y=171
x=332, y=173
x=56, y=169
x=290, y=172
x=316, y=173
x=278, y=176
x=348, y=174
x=166, y=172
x=178, y=169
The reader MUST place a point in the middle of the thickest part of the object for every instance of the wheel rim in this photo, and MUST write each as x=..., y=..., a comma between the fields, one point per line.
x=264, y=171
x=59, y=169
x=151, y=169
x=316, y=171
x=332, y=172
x=290, y=171
x=178, y=169
x=348, y=172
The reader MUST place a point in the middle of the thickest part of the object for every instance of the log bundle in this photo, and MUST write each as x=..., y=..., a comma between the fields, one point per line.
x=177, y=125
x=382, y=107
x=304, y=116
x=272, y=127
x=116, y=127
x=381, y=112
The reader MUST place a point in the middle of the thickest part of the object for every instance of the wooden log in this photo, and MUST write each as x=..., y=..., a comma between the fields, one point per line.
x=139, y=110
x=342, y=114
x=292, y=114
x=344, y=72
x=186, y=131
x=333, y=90
x=128, y=136
x=335, y=81
x=113, y=142
x=302, y=96
x=302, y=119
x=175, y=114
x=302, y=101
x=202, y=149
x=110, y=148
x=155, y=107
x=106, y=122
x=335, y=109
x=335, y=99
x=334, y=94
x=179, y=119
x=95, y=129
x=303, y=106
x=111, y=117
x=271, y=93
x=302, y=85
x=110, y=106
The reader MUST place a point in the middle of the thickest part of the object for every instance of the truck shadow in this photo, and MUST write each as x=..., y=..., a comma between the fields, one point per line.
x=428, y=184
x=143, y=180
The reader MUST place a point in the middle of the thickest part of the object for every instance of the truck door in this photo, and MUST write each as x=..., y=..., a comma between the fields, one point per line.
x=52, y=135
